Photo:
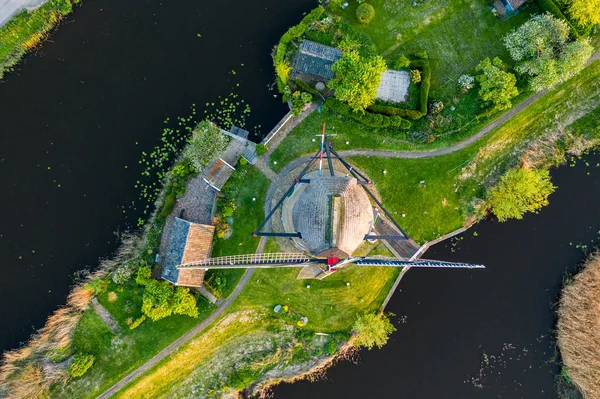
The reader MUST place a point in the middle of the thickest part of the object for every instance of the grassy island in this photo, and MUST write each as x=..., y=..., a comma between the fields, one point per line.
x=472, y=123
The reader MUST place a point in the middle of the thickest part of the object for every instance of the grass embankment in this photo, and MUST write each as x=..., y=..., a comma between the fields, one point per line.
x=564, y=120
x=578, y=332
x=29, y=28
x=252, y=343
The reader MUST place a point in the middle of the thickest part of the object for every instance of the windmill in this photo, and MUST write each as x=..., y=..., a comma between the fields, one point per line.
x=327, y=218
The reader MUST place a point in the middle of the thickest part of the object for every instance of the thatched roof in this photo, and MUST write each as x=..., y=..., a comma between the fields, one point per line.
x=333, y=214
x=188, y=242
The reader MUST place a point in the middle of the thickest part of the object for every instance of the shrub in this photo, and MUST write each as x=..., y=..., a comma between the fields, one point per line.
x=395, y=111
x=402, y=62
x=436, y=107
x=466, y=82
x=425, y=82
x=415, y=76
x=330, y=348
x=112, y=297
x=261, y=149
x=283, y=70
x=372, y=329
x=306, y=87
x=422, y=55
x=98, y=285
x=365, y=13
x=367, y=118
x=520, y=191
x=80, y=365
x=161, y=299
x=497, y=86
x=243, y=161
x=136, y=323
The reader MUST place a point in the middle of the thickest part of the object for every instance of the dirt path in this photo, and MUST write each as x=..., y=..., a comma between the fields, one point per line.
x=182, y=340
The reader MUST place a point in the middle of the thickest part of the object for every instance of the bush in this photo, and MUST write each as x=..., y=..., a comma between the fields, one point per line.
x=365, y=13
x=283, y=70
x=402, y=62
x=306, y=87
x=466, y=82
x=261, y=149
x=206, y=142
x=367, y=118
x=436, y=107
x=415, y=76
x=81, y=365
x=395, y=111
x=135, y=324
x=425, y=81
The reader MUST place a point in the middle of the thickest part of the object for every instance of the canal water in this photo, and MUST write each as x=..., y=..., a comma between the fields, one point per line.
x=481, y=333
x=76, y=115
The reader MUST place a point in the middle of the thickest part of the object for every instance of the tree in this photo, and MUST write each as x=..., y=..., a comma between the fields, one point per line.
x=365, y=13
x=542, y=50
x=206, y=142
x=357, y=79
x=586, y=12
x=372, y=329
x=497, y=85
x=160, y=299
x=520, y=191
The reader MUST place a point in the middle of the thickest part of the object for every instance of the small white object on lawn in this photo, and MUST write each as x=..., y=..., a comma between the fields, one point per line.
x=348, y=284
x=403, y=215
x=274, y=162
x=347, y=142
x=384, y=171
x=308, y=286
x=253, y=199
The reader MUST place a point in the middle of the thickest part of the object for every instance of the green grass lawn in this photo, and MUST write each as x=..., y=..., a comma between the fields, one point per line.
x=329, y=304
x=248, y=187
x=439, y=205
x=457, y=34
x=117, y=355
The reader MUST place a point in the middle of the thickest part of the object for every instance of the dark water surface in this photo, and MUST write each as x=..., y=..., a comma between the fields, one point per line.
x=453, y=319
x=72, y=114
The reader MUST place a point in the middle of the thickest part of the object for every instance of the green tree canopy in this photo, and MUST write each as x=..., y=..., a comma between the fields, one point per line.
x=586, y=12
x=497, y=85
x=542, y=50
x=357, y=79
x=520, y=191
x=206, y=142
x=372, y=329
x=160, y=299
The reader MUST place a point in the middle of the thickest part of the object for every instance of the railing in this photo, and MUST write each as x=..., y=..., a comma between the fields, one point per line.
x=267, y=259
x=419, y=263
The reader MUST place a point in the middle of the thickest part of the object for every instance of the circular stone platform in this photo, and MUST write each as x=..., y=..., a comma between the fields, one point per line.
x=333, y=214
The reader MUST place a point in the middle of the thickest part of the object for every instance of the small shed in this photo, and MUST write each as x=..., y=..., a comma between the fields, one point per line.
x=218, y=174
x=512, y=5
x=315, y=60
x=188, y=242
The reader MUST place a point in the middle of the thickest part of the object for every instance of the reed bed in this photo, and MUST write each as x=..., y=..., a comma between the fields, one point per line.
x=579, y=328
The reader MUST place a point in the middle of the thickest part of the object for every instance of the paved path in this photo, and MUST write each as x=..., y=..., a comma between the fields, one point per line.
x=8, y=8
x=185, y=338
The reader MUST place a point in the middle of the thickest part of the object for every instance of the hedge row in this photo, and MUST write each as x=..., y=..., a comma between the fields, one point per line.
x=295, y=32
x=306, y=87
x=425, y=82
x=367, y=118
x=413, y=114
x=551, y=7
